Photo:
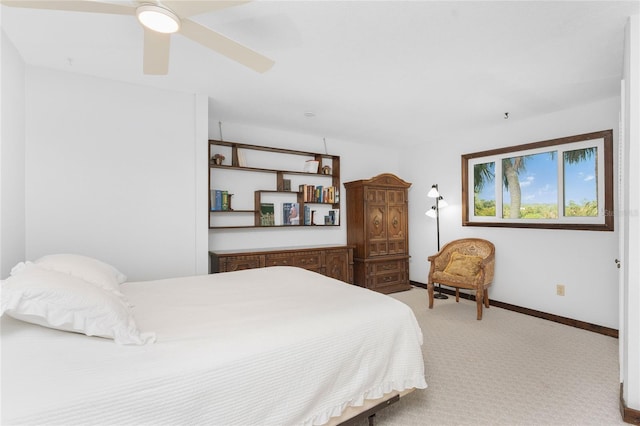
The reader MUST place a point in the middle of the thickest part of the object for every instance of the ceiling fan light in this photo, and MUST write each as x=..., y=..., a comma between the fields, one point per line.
x=158, y=18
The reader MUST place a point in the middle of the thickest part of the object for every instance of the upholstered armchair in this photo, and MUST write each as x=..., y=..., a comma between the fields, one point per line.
x=466, y=263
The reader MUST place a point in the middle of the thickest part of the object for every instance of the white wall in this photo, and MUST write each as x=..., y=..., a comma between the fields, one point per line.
x=529, y=262
x=356, y=162
x=118, y=172
x=630, y=300
x=111, y=173
x=12, y=158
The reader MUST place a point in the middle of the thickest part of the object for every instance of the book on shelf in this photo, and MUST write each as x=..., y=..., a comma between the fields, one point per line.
x=319, y=194
x=334, y=217
x=306, y=192
x=307, y=215
x=216, y=200
x=225, y=200
x=267, y=217
x=220, y=200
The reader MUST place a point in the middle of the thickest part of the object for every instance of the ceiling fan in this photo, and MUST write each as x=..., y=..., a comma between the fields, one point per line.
x=159, y=20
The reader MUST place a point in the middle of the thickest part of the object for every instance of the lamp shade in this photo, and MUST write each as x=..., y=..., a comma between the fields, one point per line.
x=433, y=192
x=442, y=203
x=158, y=18
x=432, y=212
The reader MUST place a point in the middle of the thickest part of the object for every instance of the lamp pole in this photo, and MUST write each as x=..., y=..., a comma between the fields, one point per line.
x=438, y=197
x=438, y=217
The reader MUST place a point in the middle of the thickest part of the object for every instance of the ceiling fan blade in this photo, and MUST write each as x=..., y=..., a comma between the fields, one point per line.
x=156, y=52
x=225, y=46
x=188, y=8
x=74, y=6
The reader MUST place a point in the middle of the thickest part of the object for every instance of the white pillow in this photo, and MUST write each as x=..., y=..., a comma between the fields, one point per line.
x=89, y=269
x=61, y=301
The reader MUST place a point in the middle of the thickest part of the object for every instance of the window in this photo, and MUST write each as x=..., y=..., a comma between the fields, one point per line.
x=564, y=183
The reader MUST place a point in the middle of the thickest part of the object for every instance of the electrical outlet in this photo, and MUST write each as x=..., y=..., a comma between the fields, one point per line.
x=560, y=289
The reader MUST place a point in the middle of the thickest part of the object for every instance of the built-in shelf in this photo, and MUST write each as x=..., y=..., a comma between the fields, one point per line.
x=272, y=196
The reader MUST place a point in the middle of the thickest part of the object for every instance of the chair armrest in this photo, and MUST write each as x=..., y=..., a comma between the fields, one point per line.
x=488, y=266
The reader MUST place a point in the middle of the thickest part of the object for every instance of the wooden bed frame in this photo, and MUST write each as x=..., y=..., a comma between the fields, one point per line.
x=368, y=410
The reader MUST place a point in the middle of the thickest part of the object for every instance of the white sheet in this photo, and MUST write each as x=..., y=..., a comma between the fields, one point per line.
x=271, y=346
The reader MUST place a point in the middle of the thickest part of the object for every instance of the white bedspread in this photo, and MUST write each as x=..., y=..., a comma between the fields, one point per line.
x=271, y=346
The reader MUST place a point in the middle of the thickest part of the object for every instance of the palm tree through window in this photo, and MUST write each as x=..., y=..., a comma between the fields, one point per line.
x=561, y=183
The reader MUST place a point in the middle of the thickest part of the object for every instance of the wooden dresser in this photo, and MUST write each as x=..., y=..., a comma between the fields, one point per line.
x=332, y=261
x=377, y=226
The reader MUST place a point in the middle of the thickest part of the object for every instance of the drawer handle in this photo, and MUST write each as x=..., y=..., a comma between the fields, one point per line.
x=387, y=267
x=387, y=279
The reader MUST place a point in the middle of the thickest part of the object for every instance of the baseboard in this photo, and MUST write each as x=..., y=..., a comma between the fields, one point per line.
x=629, y=415
x=612, y=332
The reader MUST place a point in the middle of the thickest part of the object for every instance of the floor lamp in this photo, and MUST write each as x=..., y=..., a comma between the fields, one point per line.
x=434, y=213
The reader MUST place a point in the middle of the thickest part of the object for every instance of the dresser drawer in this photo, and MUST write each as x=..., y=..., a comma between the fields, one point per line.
x=279, y=259
x=308, y=260
x=241, y=262
x=391, y=266
x=380, y=281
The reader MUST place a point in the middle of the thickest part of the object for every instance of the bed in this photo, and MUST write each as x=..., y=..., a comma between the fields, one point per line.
x=271, y=346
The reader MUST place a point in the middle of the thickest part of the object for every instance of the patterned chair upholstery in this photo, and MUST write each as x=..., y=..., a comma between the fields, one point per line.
x=466, y=263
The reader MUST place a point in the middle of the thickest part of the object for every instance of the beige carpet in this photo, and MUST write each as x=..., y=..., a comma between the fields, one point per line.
x=508, y=369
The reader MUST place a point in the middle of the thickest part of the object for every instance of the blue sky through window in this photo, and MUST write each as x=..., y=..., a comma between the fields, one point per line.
x=580, y=181
x=539, y=181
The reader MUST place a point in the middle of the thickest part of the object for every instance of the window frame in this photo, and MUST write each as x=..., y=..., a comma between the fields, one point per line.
x=603, y=222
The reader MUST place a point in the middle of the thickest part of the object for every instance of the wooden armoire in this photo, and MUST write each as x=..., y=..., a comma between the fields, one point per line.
x=378, y=228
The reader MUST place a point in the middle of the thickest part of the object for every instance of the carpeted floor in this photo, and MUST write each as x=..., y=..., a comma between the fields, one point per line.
x=507, y=369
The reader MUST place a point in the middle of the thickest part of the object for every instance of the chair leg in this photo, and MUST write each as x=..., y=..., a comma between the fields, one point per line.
x=430, y=291
x=479, y=298
x=486, y=298
x=457, y=295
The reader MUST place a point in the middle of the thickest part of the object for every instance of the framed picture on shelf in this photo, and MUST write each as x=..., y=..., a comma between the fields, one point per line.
x=291, y=214
x=267, y=217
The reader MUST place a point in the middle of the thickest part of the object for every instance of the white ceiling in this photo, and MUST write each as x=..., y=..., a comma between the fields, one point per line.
x=404, y=72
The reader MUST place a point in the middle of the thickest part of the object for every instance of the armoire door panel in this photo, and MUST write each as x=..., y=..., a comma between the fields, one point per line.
x=376, y=222
x=397, y=222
